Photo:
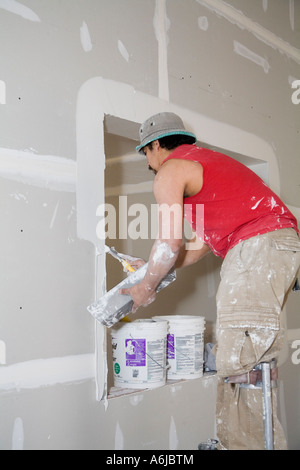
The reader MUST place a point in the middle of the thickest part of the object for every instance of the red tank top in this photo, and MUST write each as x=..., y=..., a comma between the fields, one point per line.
x=237, y=203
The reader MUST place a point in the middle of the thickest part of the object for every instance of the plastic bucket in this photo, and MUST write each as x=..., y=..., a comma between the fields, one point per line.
x=139, y=354
x=185, y=345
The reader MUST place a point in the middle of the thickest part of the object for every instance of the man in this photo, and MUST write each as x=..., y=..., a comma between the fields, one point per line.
x=247, y=225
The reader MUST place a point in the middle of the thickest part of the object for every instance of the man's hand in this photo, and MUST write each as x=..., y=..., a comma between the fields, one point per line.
x=135, y=263
x=142, y=295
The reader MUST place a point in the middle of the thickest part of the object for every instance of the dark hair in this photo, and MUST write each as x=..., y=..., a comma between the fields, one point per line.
x=172, y=141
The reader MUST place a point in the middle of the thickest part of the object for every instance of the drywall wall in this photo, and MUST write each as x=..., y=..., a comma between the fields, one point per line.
x=230, y=68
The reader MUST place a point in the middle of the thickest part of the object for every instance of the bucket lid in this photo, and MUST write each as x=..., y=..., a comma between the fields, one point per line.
x=140, y=325
x=181, y=319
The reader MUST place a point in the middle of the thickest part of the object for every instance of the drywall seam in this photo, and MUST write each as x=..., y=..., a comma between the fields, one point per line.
x=44, y=171
x=85, y=38
x=54, y=216
x=47, y=372
x=243, y=51
x=119, y=438
x=203, y=23
x=2, y=92
x=265, y=5
x=2, y=353
x=161, y=25
x=173, y=437
x=292, y=14
x=237, y=17
x=19, y=9
x=18, y=435
x=123, y=51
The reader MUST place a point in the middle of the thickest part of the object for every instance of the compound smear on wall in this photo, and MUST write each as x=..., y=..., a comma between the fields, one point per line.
x=250, y=55
x=18, y=435
x=292, y=14
x=161, y=27
x=46, y=171
x=119, y=438
x=265, y=5
x=47, y=372
x=2, y=92
x=2, y=353
x=85, y=38
x=19, y=9
x=123, y=51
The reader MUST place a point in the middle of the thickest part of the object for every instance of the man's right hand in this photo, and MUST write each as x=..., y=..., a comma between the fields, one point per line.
x=135, y=263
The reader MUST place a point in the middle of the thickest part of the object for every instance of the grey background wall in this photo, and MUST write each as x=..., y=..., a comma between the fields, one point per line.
x=233, y=62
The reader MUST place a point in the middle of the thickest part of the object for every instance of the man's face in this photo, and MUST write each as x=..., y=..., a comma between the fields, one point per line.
x=151, y=158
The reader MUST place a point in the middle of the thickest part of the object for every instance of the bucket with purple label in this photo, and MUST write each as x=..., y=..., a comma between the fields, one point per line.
x=185, y=345
x=139, y=354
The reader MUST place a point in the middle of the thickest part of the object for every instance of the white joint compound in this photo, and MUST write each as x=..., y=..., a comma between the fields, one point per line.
x=139, y=354
x=185, y=345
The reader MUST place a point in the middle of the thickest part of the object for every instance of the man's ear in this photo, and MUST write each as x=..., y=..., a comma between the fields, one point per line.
x=156, y=144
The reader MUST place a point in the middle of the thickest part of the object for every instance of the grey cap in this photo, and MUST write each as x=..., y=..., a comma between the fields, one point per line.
x=161, y=125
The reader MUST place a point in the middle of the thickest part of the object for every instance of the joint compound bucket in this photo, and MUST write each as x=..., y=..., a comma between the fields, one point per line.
x=185, y=345
x=139, y=354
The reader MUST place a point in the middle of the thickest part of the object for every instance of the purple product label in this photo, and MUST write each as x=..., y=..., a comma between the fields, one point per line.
x=135, y=350
x=170, y=347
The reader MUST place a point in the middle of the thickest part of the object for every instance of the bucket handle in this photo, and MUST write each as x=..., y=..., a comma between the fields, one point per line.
x=178, y=351
x=137, y=344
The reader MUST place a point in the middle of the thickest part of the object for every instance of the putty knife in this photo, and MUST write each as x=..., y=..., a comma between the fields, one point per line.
x=113, y=252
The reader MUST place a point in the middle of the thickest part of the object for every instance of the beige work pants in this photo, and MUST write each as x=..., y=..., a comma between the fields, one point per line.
x=256, y=277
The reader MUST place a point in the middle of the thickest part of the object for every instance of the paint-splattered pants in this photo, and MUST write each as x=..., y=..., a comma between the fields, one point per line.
x=256, y=277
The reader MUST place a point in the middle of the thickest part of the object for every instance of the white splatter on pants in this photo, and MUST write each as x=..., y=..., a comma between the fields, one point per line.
x=256, y=277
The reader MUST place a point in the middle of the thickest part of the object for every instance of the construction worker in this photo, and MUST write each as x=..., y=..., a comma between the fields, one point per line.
x=247, y=225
